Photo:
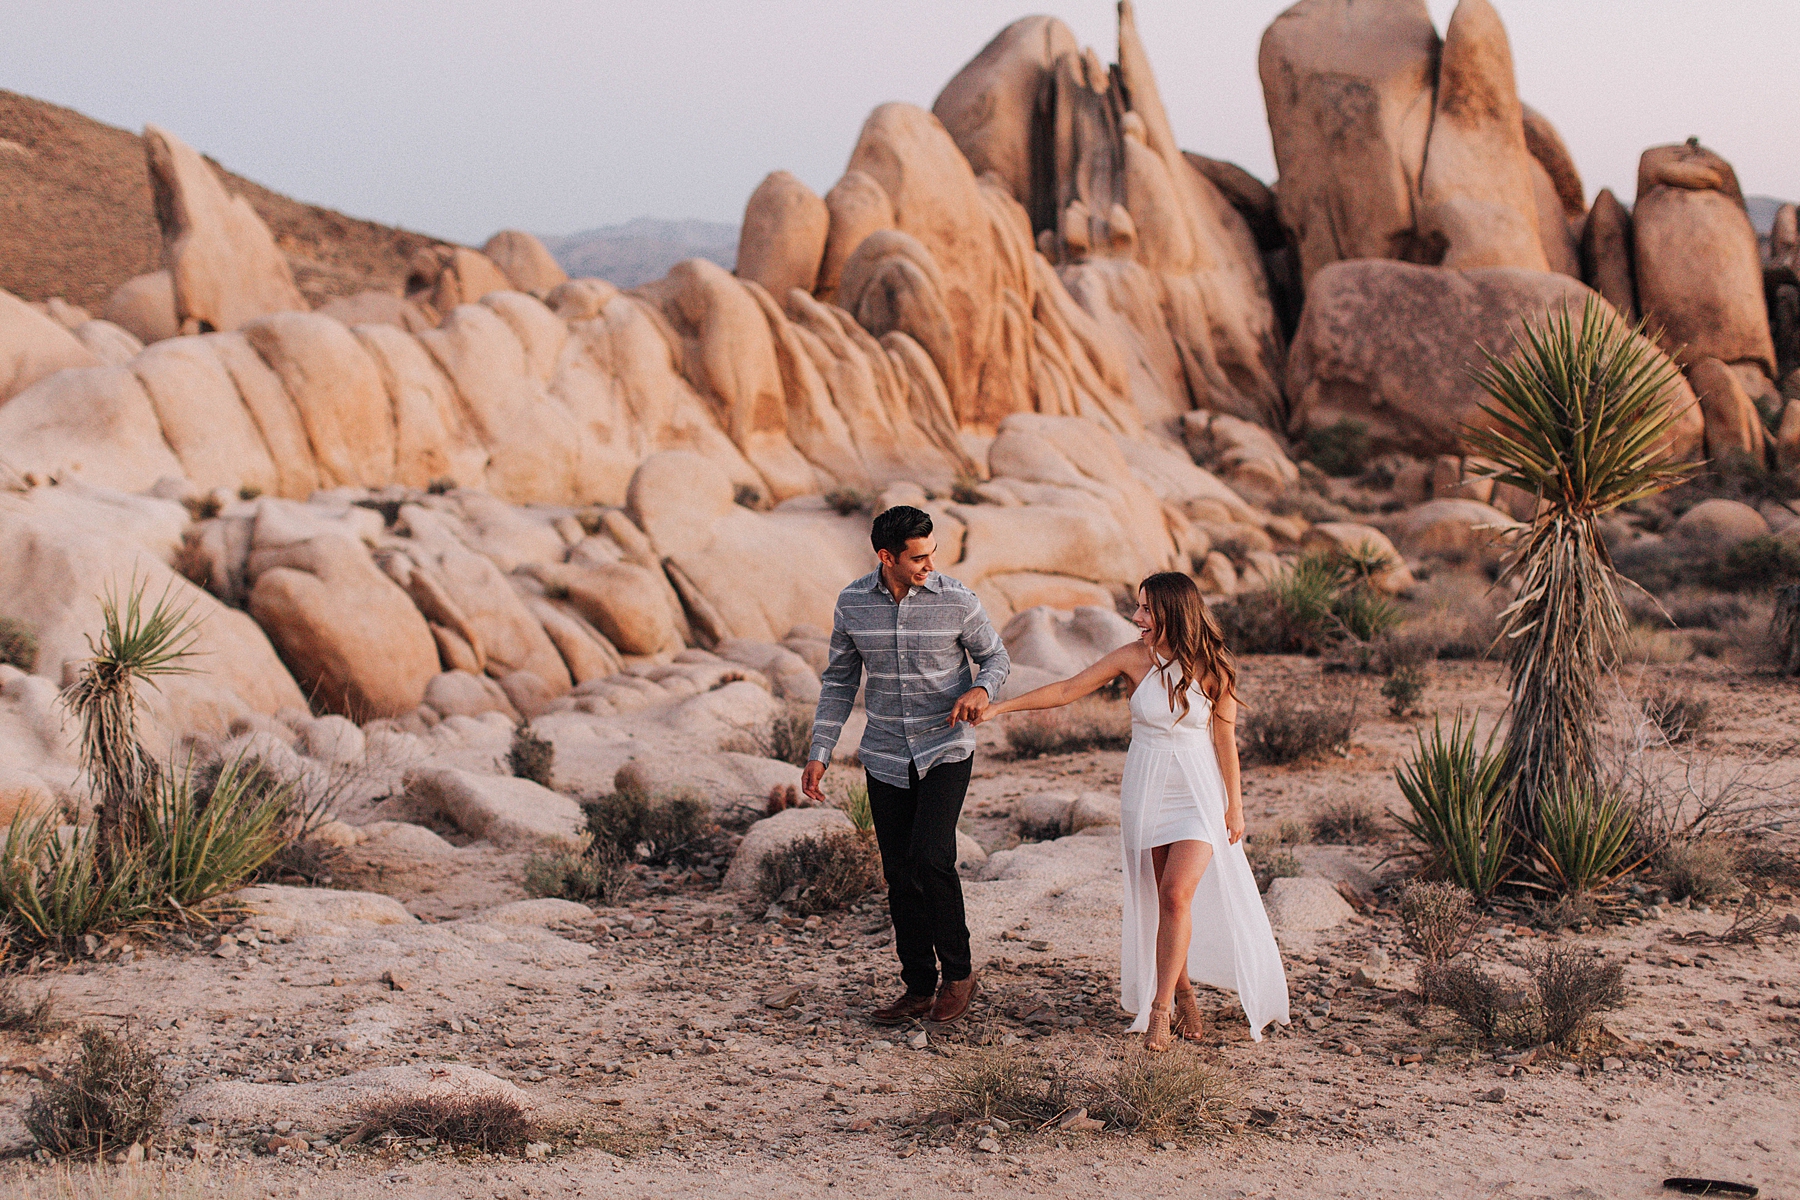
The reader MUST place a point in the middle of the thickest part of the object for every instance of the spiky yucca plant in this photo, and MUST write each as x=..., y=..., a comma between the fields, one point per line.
x=134, y=644
x=1581, y=412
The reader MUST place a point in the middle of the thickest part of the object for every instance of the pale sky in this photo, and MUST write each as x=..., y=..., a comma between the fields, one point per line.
x=458, y=118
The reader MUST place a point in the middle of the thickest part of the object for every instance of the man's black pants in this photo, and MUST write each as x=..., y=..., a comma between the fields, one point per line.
x=915, y=827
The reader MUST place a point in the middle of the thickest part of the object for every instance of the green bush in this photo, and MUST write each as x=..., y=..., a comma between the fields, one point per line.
x=1403, y=690
x=1758, y=564
x=786, y=736
x=855, y=803
x=1323, y=601
x=1457, y=793
x=1340, y=449
x=1586, y=837
x=18, y=644
x=110, y=1097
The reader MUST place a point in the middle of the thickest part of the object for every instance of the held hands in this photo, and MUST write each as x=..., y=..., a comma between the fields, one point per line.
x=1234, y=823
x=809, y=781
x=970, y=706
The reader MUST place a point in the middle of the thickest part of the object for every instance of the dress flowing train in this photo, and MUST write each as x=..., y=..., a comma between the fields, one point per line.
x=1172, y=790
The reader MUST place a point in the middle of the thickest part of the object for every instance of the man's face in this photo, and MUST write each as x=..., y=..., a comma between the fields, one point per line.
x=914, y=563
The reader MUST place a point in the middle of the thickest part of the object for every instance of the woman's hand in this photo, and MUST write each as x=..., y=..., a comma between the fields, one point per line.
x=1234, y=823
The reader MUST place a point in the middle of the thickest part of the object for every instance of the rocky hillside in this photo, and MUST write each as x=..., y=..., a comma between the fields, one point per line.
x=77, y=217
x=643, y=250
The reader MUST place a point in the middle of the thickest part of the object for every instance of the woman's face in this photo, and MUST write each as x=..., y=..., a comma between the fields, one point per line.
x=1143, y=620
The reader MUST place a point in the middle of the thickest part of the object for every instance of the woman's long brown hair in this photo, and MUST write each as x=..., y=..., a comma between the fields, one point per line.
x=1187, y=627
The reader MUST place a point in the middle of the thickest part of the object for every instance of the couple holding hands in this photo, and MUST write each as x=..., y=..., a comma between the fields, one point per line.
x=908, y=636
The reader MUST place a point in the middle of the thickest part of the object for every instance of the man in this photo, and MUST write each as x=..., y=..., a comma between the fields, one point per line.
x=915, y=631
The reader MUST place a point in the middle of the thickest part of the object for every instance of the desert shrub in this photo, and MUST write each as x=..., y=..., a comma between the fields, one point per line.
x=1087, y=724
x=1346, y=823
x=1484, y=1002
x=748, y=495
x=18, y=644
x=1571, y=988
x=593, y=878
x=1701, y=868
x=1586, y=837
x=823, y=872
x=1679, y=713
x=1301, y=722
x=248, y=492
x=1457, y=792
x=479, y=1121
x=1270, y=861
x=443, y=485
x=1403, y=691
x=786, y=736
x=531, y=757
x=110, y=1096
x=1758, y=564
x=855, y=803
x=966, y=489
x=209, y=834
x=1340, y=449
x=1324, y=600
x=21, y=1014
x=1437, y=919
x=846, y=501
x=1784, y=629
x=651, y=829
x=1175, y=1092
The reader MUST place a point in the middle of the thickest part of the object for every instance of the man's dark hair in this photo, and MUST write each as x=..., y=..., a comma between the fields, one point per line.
x=898, y=526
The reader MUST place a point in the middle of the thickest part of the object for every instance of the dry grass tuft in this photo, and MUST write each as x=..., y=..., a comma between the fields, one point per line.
x=31, y=1018
x=984, y=1082
x=18, y=644
x=1437, y=920
x=111, y=1096
x=1172, y=1093
x=1678, y=712
x=652, y=829
x=602, y=878
x=482, y=1121
x=787, y=736
x=1300, y=722
x=1703, y=868
x=532, y=757
x=1347, y=823
x=1089, y=724
x=1564, y=990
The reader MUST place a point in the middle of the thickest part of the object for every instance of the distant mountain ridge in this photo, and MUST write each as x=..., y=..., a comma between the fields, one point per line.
x=644, y=249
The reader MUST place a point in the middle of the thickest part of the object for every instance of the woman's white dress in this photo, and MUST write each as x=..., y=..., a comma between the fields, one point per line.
x=1173, y=791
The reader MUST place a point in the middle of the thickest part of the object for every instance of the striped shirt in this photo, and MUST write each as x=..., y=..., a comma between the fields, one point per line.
x=917, y=654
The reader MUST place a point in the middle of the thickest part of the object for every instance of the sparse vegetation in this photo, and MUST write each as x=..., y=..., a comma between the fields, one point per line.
x=1564, y=989
x=532, y=757
x=1697, y=869
x=1572, y=987
x=1340, y=449
x=23, y=1015
x=1300, y=722
x=111, y=1096
x=1679, y=713
x=1322, y=602
x=1173, y=1094
x=1403, y=689
x=846, y=501
x=855, y=803
x=1784, y=629
x=1758, y=564
x=593, y=878
x=786, y=736
x=481, y=1121
x=966, y=489
x=18, y=644
x=1456, y=789
x=822, y=873
x=1091, y=723
x=1269, y=861
x=1437, y=920
x=1346, y=823
x=649, y=829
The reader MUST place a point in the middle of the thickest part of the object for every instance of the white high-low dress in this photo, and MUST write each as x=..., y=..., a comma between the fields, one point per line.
x=1173, y=791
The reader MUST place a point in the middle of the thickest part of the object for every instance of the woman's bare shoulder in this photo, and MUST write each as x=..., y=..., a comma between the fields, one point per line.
x=1133, y=658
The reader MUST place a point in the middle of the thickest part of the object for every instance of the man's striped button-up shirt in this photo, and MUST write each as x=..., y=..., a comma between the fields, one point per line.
x=917, y=655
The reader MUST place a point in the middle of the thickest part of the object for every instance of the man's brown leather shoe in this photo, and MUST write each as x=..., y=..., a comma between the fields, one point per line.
x=909, y=1007
x=953, y=999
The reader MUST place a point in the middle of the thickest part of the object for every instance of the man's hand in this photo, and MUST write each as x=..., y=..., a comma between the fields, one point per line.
x=809, y=781
x=969, y=706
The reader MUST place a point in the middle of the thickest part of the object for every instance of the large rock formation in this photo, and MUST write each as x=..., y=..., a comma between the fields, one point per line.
x=1699, y=278
x=1394, y=346
x=33, y=346
x=1476, y=196
x=222, y=260
x=783, y=240
x=1348, y=84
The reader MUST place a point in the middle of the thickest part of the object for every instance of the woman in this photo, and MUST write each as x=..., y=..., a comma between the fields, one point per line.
x=1181, y=811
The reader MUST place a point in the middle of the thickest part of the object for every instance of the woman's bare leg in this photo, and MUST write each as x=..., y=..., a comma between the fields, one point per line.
x=1179, y=866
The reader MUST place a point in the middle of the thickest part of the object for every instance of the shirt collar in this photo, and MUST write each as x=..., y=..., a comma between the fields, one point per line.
x=933, y=582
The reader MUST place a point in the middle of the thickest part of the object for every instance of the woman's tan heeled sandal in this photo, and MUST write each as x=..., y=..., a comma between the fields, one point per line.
x=1158, y=1037
x=1188, y=1023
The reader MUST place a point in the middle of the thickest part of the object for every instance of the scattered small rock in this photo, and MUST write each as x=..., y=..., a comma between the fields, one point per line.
x=1492, y=1096
x=783, y=998
x=398, y=980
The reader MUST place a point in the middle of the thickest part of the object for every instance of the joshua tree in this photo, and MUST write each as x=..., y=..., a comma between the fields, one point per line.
x=1581, y=414
x=133, y=645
